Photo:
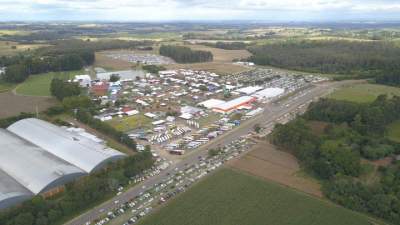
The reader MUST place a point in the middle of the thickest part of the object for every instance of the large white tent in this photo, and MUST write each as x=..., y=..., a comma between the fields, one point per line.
x=37, y=156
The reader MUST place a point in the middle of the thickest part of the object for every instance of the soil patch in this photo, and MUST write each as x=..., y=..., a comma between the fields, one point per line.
x=11, y=105
x=267, y=162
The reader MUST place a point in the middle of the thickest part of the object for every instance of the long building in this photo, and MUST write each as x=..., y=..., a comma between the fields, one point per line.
x=37, y=156
x=76, y=149
x=234, y=104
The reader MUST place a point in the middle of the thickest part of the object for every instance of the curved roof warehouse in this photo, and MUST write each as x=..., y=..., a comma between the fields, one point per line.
x=36, y=156
x=72, y=147
x=11, y=192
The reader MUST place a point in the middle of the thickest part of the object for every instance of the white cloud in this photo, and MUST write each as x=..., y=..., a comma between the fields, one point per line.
x=197, y=9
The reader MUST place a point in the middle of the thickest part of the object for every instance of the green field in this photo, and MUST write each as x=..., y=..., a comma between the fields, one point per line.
x=393, y=131
x=232, y=198
x=130, y=123
x=39, y=85
x=5, y=86
x=364, y=93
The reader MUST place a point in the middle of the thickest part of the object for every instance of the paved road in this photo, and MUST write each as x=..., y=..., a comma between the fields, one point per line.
x=267, y=119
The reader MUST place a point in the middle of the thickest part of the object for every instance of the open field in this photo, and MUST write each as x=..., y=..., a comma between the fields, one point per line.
x=229, y=197
x=12, y=48
x=130, y=123
x=222, y=55
x=13, y=32
x=393, y=131
x=39, y=85
x=12, y=105
x=364, y=93
x=267, y=162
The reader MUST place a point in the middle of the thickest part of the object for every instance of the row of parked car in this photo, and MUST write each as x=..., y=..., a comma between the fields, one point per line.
x=174, y=183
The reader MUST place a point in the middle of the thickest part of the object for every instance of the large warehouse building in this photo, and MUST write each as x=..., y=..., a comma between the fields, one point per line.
x=234, y=104
x=37, y=156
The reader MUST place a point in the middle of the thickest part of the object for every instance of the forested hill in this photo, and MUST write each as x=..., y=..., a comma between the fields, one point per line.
x=183, y=54
x=359, y=59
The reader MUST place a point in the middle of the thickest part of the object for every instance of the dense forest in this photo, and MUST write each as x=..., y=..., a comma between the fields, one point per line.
x=359, y=59
x=23, y=67
x=352, y=132
x=78, y=195
x=183, y=54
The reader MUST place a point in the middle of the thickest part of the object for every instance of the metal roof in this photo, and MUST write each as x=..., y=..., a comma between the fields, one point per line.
x=268, y=93
x=235, y=103
x=32, y=167
x=11, y=192
x=72, y=147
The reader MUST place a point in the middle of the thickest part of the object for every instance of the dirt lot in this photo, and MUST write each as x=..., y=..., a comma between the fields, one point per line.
x=11, y=104
x=111, y=64
x=267, y=162
x=216, y=67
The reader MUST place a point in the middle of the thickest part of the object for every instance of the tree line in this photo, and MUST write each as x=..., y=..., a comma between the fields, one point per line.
x=23, y=67
x=358, y=59
x=78, y=195
x=227, y=45
x=352, y=131
x=182, y=54
x=73, y=45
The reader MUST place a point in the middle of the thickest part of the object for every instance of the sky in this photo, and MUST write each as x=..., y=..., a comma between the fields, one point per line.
x=200, y=10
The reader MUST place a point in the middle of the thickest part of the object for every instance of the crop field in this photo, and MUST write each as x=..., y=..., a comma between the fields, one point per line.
x=13, y=32
x=11, y=105
x=222, y=55
x=12, y=48
x=39, y=85
x=266, y=162
x=229, y=197
x=364, y=93
x=393, y=131
x=130, y=123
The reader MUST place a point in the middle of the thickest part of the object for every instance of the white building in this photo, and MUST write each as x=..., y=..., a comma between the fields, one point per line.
x=268, y=93
x=211, y=103
x=249, y=90
x=2, y=70
x=83, y=80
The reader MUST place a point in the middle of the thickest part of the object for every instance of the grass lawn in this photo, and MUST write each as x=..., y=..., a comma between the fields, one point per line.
x=6, y=86
x=130, y=123
x=393, y=131
x=229, y=198
x=39, y=85
x=364, y=93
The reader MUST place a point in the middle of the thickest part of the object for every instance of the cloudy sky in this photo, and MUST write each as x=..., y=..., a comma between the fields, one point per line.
x=169, y=10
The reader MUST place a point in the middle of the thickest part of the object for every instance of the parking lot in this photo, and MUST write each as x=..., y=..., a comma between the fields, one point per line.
x=172, y=184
